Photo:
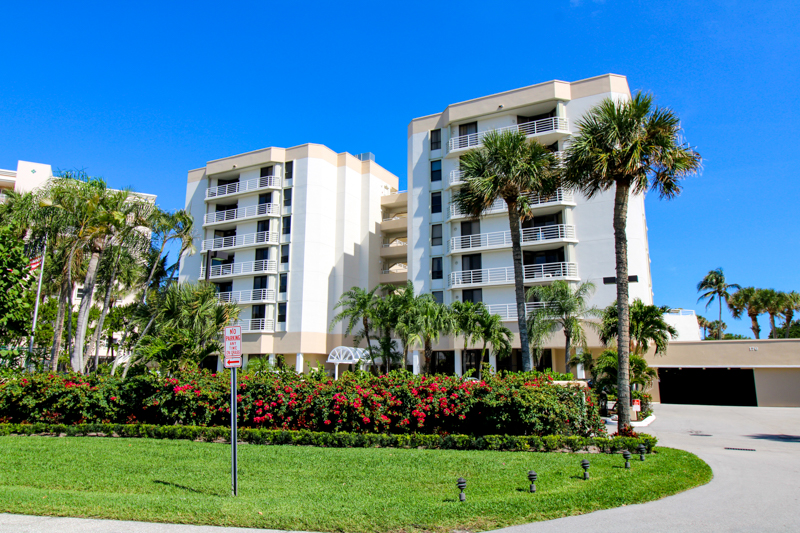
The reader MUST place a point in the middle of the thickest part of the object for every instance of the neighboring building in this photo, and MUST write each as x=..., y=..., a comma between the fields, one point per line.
x=286, y=231
x=570, y=238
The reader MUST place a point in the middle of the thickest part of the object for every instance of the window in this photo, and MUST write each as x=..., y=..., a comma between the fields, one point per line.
x=436, y=139
x=284, y=254
x=287, y=198
x=262, y=254
x=259, y=311
x=436, y=171
x=266, y=171
x=474, y=295
x=436, y=202
x=289, y=173
x=436, y=268
x=282, y=312
x=265, y=198
x=260, y=282
x=436, y=235
x=283, y=282
x=287, y=225
x=438, y=296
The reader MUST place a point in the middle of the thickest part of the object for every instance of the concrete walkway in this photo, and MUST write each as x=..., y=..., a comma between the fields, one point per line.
x=750, y=492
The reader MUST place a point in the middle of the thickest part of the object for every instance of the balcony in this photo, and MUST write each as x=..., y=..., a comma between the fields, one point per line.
x=397, y=273
x=560, y=197
x=395, y=224
x=241, y=187
x=256, y=325
x=505, y=275
x=247, y=297
x=241, y=241
x=551, y=128
x=241, y=269
x=243, y=213
x=456, y=177
x=394, y=249
x=508, y=312
x=502, y=239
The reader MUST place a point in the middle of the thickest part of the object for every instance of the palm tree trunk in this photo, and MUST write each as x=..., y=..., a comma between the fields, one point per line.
x=58, y=327
x=787, y=323
x=623, y=328
x=568, y=338
x=83, y=311
x=99, y=329
x=754, y=325
x=130, y=359
x=771, y=325
x=719, y=333
x=519, y=286
x=480, y=363
x=428, y=355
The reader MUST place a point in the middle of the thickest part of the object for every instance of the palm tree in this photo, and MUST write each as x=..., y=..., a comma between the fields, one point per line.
x=359, y=307
x=489, y=330
x=773, y=302
x=467, y=315
x=716, y=328
x=511, y=167
x=703, y=324
x=747, y=300
x=605, y=372
x=715, y=286
x=429, y=319
x=168, y=227
x=568, y=307
x=631, y=146
x=401, y=301
x=647, y=327
x=791, y=303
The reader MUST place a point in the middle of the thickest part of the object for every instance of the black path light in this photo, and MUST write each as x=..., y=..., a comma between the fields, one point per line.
x=585, y=466
x=642, y=449
x=532, y=477
x=627, y=455
x=461, y=484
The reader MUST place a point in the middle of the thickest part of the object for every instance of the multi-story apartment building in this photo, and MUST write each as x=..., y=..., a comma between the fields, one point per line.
x=286, y=231
x=570, y=238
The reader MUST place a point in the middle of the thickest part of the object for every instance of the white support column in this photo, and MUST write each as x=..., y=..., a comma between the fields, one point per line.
x=458, y=363
x=272, y=360
x=299, y=366
x=580, y=373
x=336, y=371
x=245, y=360
x=493, y=361
x=415, y=361
x=220, y=360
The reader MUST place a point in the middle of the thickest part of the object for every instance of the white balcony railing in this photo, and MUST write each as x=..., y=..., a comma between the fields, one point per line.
x=255, y=184
x=243, y=212
x=502, y=239
x=244, y=297
x=399, y=268
x=537, y=127
x=457, y=176
x=266, y=266
x=394, y=244
x=255, y=324
x=236, y=241
x=561, y=196
x=505, y=275
x=508, y=312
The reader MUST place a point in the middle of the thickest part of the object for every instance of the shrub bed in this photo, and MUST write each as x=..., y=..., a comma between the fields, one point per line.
x=398, y=403
x=341, y=439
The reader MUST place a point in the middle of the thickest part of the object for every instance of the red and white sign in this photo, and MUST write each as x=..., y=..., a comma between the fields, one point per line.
x=233, y=347
x=35, y=263
x=637, y=405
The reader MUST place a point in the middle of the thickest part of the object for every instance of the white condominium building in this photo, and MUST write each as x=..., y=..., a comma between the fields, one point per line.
x=283, y=233
x=570, y=238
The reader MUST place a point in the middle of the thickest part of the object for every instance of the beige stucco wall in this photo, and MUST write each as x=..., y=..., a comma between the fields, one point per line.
x=764, y=353
x=778, y=387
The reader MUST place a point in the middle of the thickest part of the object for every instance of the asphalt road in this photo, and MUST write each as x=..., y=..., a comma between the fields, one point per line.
x=751, y=491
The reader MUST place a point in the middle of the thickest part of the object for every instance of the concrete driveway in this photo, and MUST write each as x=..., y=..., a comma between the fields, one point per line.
x=751, y=491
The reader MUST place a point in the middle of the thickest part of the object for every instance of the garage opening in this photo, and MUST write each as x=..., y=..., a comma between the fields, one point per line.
x=710, y=386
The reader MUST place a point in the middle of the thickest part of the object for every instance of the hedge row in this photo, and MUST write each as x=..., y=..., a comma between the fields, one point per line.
x=547, y=443
x=398, y=403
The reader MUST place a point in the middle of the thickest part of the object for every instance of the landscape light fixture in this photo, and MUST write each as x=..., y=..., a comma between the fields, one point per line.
x=585, y=466
x=532, y=477
x=627, y=455
x=641, y=449
x=461, y=484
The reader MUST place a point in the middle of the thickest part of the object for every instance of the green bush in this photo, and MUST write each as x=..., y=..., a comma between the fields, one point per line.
x=549, y=443
x=398, y=403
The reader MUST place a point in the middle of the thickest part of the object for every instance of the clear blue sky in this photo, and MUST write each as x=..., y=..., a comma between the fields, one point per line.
x=141, y=93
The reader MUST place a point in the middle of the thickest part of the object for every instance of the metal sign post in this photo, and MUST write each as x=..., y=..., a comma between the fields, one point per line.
x=233, y=360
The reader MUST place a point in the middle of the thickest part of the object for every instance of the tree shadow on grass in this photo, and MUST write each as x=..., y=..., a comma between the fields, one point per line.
x=184, y=487
x=777, y=438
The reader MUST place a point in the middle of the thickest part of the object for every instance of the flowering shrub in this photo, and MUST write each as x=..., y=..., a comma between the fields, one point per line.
x=397, y=403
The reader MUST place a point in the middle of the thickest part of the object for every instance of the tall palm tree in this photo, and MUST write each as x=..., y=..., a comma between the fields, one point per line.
x=511, y=167
x=716, y=288
x=630, y=146
x=567, y=306
x=648, y=327
x=703, y=324
x=747, y=300
x=467, y=315
x=429, y=320
x=774, y=305
x=489, y=330
x=359, y=308
x=791, y=303
x=401, y=302
x=716, y=328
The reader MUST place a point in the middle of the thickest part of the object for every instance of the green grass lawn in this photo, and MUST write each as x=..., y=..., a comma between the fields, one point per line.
x=322, y=489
